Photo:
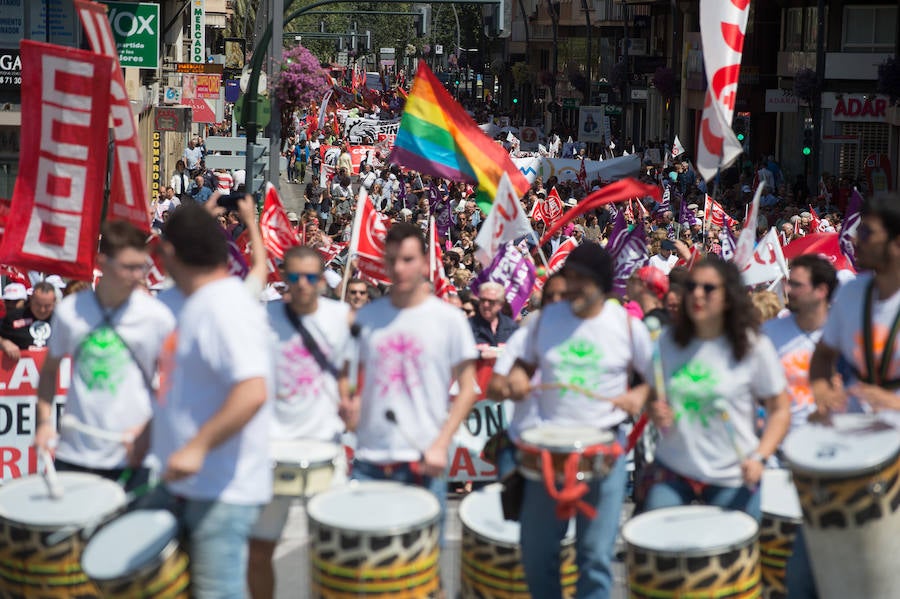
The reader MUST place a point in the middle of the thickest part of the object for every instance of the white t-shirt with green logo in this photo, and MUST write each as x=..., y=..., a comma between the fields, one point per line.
x=713, y=398
x=595, y=354
x=107, y=389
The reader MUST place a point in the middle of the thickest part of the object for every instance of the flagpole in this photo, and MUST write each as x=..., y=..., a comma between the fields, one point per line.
x=354, y=240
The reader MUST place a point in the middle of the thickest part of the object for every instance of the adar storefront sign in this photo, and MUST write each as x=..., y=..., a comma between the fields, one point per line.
x=10, y=70
x=135, y=28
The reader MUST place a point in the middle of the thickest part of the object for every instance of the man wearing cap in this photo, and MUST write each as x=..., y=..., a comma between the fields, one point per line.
x=664, y=259
x=584, y=349
x=26, y=324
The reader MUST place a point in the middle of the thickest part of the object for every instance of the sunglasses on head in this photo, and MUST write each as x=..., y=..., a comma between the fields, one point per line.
x=294, y=277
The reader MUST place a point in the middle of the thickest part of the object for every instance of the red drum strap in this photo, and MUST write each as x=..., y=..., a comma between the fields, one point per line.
x=568, y=499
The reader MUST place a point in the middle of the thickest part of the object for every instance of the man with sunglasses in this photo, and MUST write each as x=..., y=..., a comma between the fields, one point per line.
x=311, y=331
x=866, y=342
x=114, y=335
x=357, y=294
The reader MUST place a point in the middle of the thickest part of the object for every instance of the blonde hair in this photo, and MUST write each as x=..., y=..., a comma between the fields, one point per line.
x=766, y=304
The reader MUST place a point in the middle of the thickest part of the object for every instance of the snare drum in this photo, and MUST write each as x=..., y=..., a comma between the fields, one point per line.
x=848, y=478
x=375, y=539
x=781, y=518
x=41, y=539
x=491, y=561
x=594, y=450
x=692, y=551
x=303, y=467
x=138, y=556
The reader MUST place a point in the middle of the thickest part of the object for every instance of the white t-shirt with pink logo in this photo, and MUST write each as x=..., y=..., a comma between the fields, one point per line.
x=408, y=356
x=306, y=396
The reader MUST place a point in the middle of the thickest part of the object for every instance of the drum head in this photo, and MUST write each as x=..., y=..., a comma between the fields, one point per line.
x=779, y=496
x=86, y=499
x=853, y=445
x=307, y=451
x=374, y=507
x=482, y=513
x=690, y=530
x=566, y=438
x=126, y=544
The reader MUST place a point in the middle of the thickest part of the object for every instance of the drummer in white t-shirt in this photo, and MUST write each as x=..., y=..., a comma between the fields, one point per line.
x=114, y=335
x=411, y=347
x=861, y=331
x=306, y=393
x=588, y=342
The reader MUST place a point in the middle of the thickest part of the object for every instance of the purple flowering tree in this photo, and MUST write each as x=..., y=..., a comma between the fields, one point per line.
x=301, y=81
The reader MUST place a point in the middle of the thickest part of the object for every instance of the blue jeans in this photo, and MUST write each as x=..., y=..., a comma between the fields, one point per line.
x=800, y=581
x=676, y=492
x=217, y=536
x=404, y=474
x=542, y=532
x=506, y=461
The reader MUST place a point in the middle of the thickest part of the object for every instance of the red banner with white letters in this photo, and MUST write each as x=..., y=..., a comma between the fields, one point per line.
x=54, y=219
x=128, y=199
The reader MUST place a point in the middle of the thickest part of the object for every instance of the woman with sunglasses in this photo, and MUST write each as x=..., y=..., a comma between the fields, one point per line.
x=715, y=369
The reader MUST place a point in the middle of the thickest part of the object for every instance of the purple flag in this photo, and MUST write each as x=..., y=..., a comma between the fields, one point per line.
x=628, y=249
x=440, y=210
x=514, y=271
x=666, y=203
x=728, y=240
x=848, y=229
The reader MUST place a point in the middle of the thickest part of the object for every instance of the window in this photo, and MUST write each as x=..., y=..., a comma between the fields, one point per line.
x=869, y=28
x=801, y=28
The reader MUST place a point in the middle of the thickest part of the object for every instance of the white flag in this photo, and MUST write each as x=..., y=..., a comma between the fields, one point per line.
x=505, y=222
x=743, y=253
x=677, y=148
x=768, y=263
x=722, y=27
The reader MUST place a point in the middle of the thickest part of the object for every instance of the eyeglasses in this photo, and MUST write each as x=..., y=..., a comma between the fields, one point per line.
x=707, y=288
x=294, y=277
x=490, y=302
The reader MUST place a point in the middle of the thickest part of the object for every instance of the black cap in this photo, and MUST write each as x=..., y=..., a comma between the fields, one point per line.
x=667, y=244
x=591, y=260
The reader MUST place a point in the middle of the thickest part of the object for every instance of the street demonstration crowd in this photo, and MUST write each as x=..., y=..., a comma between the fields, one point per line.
x=219, y=374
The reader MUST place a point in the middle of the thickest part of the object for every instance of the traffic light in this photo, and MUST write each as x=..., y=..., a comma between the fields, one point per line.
x=515, y=100
x=741, y=127
x=807, y=147
x=422, y=19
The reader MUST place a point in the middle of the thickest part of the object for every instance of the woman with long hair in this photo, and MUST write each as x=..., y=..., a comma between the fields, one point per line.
x=714, y=369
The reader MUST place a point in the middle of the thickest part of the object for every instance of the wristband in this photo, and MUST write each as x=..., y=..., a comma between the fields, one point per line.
x=758, y=457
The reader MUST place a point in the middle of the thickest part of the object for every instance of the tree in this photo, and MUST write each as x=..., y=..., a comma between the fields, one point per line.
x=301, y=80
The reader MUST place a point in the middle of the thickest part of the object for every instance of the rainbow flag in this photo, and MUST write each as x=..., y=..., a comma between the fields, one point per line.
x=437, y=137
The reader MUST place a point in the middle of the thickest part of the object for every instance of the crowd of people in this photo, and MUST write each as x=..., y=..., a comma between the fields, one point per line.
x=204, y=375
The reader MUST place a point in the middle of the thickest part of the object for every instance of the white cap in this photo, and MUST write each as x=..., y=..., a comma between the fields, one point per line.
x=56, y=281
x=15, y=292
x=332, y=278
x=571, y=202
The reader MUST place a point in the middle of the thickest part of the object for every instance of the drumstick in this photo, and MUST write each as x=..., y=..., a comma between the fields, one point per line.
x=54, y=488
x=570, y=387
x=392, y=418
x=71, y=422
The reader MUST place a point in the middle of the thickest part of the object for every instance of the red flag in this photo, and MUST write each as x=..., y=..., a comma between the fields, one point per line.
x=442, y=285
x=277, y=233
x=128, y=197
x=713, y=213
x=622, y=189
x=156, y=272
x=558, y=259
x=826, y=245
x=4, y=214
x=15, y=275
x=582, y=177
x=54, y=220
x=367, y=240
x=629, y=212
x=815, y=223
x=331, y=251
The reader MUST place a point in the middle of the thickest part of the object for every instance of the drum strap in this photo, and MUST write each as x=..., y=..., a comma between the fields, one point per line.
x=309, y=342
x=107, y=317
x=878, y=375
x=569, y=498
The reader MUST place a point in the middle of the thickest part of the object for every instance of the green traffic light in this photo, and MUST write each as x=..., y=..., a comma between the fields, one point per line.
x=807, y=150
x=740, y=137
x=515, y=100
